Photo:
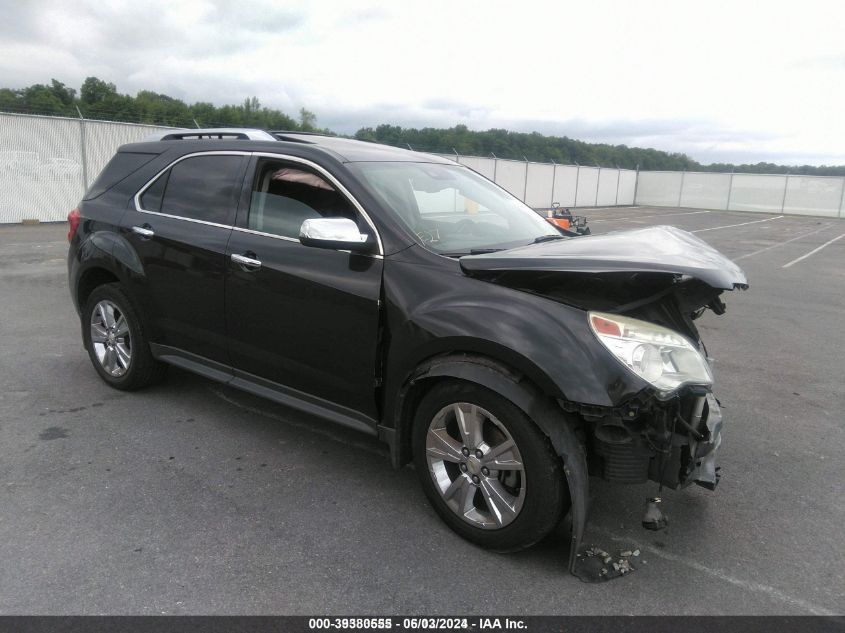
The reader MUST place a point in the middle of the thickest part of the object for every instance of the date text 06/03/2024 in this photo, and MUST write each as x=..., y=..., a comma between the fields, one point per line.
x=418, y=623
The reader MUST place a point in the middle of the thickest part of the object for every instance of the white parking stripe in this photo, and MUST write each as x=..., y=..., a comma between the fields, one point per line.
x=642, y=217
x=812, y=252
x=748, y=585
x=38, y=244
x=768, y=248
x=730, y=226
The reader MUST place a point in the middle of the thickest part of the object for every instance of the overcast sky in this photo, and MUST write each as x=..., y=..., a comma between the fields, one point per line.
x=720, y=81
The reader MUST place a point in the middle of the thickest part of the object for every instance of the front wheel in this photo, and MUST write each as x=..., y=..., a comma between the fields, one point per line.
x=489, y=472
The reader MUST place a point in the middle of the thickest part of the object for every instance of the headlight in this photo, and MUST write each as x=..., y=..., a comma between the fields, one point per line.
x=656, y=354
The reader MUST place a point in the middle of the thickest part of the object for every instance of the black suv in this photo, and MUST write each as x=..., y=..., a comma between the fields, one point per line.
x=406, y=296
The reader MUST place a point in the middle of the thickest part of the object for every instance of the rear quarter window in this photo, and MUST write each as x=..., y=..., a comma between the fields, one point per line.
x=122, y=165
x=198, y=188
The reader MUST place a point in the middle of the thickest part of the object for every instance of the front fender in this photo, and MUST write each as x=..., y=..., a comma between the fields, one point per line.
x=432, y=310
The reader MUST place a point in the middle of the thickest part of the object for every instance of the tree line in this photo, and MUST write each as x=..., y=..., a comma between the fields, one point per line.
x=537, y=147
x=98, y=99
x=532, y=146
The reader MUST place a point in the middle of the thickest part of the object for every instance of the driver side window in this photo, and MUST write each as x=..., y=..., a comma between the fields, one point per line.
x=284, y=195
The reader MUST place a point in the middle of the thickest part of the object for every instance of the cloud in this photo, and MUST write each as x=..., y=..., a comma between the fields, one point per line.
x=823, y=62
x=20, y=21
x=363, y=15
x=721, y=81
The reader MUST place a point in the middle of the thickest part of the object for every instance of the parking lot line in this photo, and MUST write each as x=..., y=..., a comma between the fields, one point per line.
x=752, y=586
x=730, y=226
x=643, y=217
x=768, y=248
x=37, y=244
x=813, y=252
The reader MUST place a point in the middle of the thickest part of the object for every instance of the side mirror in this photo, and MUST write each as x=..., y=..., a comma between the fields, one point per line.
x=334, y=233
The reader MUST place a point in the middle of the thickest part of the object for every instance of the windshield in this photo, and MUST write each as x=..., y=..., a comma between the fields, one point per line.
x=451, y=209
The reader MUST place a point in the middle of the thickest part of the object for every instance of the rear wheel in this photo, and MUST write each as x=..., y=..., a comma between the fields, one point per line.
x=490, y=474
x=116, y=340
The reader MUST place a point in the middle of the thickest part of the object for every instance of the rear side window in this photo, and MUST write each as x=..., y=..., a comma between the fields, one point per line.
x=151, y=200
x=197, y=188
x=119, y=167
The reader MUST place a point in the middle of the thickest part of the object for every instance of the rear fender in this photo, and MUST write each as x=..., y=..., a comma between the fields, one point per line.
x=105, y=251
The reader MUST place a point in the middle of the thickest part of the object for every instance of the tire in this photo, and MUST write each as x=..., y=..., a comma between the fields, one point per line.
x=528, y=503
x=115, y=336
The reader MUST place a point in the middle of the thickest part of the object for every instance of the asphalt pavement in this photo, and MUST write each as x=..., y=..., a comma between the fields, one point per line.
x=193, y=498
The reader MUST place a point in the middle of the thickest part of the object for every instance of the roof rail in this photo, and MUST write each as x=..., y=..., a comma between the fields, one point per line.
x=296, y=136
x=300, y=133
x=245, y=134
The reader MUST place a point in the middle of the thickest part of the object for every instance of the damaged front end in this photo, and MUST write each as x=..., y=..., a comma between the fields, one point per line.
x=669, y=432
x=641, y=292
x=672, y=442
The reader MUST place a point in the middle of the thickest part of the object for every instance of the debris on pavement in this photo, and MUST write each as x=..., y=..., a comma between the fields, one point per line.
x=596, y=565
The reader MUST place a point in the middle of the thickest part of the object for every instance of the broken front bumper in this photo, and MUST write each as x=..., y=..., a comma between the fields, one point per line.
x=674, y=443
x=702, y=452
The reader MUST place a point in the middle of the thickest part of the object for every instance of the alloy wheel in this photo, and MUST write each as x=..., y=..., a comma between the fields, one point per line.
x=110, y=338
x=476, y=465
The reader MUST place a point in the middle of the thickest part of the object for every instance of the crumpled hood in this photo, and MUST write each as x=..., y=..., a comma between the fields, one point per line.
x=657, y=249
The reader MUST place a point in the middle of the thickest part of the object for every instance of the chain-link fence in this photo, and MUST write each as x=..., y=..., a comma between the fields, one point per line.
x=46, y=163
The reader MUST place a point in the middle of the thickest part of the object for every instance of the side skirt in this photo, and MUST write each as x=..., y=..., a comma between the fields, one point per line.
x=265, y=388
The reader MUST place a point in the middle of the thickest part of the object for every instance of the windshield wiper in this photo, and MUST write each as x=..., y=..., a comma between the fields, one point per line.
x=474, y=251
x=546, y=238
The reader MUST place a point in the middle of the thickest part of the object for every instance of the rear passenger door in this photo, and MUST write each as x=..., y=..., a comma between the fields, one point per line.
x=179, y=226
x=304, y=319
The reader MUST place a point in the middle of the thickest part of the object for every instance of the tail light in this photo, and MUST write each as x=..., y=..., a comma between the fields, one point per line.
x=73, y=219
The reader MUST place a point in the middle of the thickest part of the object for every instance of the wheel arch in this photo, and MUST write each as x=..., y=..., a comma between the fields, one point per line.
x=90, y=279
x=103, y=257
x=515, y=386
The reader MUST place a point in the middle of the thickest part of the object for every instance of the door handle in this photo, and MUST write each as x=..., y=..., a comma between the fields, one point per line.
x=247, y=263
x=144, y=231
